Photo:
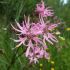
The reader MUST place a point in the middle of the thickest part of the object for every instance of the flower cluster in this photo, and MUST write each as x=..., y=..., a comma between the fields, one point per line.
x=35, y=35
x=44, y=12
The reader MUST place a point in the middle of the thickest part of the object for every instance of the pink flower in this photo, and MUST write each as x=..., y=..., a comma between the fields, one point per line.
x=49, y=37
x=35, y=35
x=36, y=53
x=29, y=36
x=40, y=7
x=27, y=32
x=44, y=12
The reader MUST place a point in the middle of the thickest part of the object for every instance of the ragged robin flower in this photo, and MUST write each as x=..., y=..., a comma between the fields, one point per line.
x=35, y=35
x=43, y=11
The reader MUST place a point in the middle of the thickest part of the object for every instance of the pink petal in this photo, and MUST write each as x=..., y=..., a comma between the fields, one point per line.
x=47, y=39
x=19, y=25
x=15, y=28
x=52, y=26
x=30, y=45
x=27, y=51
x=52, y=37
x=35, y=60
x=16, y=40
x=19, y=44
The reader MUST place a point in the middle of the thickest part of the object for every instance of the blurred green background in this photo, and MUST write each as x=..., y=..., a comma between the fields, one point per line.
x=14, y=59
